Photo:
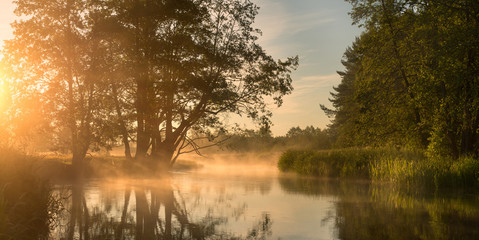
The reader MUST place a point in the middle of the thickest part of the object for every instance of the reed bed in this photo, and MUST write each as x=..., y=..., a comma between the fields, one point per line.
x=402, y=167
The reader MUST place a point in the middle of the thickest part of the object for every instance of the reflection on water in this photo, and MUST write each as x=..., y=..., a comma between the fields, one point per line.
x=204, y=206
x=156, y=209
x=366, y=211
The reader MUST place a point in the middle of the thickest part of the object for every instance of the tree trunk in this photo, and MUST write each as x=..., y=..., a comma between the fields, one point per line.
x=142, y=138
x=121, y=122
x=78, y=165
x=162, y=156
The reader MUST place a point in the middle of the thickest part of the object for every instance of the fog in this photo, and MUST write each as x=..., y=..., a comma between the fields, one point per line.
x=236, y=163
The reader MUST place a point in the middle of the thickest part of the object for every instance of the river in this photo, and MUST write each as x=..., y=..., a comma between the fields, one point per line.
x=259, y=203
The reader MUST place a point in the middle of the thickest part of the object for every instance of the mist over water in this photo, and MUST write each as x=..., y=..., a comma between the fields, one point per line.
x=250, y=199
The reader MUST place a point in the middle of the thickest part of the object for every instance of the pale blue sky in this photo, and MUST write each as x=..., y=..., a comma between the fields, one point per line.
x=318, y=31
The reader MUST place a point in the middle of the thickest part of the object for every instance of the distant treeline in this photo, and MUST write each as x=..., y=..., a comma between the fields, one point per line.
x=411, y=79
x=262, y=140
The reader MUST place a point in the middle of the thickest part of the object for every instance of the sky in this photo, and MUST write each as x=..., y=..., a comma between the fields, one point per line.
x=318, y=31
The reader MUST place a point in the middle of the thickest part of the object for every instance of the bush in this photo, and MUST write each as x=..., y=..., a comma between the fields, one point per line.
x=461, y=172
x=286, y=161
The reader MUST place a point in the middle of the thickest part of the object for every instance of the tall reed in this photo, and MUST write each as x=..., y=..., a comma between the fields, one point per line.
x=402, y=167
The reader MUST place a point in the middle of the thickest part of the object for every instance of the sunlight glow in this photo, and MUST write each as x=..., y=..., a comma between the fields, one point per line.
x=4, y=93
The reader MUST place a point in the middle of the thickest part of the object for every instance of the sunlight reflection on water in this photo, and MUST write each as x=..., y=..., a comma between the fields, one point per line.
x=254, y=204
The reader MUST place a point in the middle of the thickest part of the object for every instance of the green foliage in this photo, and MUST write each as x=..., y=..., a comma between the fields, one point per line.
x=250, y=141
x=411, y=81
x=296, y=138
x=462, y=172
x=307, y=138
x=345, y=163
x=427, y=172
x=398, y=170
x=411, y=78
x=287, y=160
x=401, y=167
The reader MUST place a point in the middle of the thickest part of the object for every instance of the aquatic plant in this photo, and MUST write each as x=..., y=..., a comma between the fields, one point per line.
x=346, y=163
x=402, y=167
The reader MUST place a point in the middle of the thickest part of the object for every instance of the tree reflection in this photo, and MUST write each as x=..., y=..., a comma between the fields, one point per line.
x=365, y=211
x=155, y=211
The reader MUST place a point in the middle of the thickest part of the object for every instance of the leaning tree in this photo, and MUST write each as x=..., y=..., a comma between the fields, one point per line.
x=195, y=61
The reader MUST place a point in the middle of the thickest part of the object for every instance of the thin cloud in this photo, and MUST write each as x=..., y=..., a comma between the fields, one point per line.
x=304, y=88
x=310, y=84
x=277, y=22
x=321, y=78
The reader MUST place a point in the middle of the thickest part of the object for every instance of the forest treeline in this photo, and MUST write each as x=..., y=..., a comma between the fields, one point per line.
x=411, y=79
x=262, y=140
x=158, y=75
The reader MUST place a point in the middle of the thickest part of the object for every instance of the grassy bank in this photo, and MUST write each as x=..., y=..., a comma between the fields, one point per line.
x=58, y=168
x=408, y=168
x=26, y=203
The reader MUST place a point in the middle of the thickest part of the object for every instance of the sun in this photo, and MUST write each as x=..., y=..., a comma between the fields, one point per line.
x=4, y=96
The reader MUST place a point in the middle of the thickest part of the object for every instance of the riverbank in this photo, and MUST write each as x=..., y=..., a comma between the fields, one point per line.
x=405, y=168
x=26, y=201
x=58, y=168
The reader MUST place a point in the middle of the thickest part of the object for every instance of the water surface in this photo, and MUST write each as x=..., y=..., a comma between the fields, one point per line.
x=260, y=204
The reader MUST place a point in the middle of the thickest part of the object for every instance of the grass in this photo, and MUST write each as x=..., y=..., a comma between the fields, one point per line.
x=427, y=172
x=26, y=203
x=345, y=163
x=58, y=168
x=405, y=168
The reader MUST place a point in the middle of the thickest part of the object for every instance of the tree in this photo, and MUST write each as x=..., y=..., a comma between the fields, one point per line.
x=53, y=57
x=307, y=138
x=199, y=59
x=345, y=125
x=104, y=69
x=415, y=77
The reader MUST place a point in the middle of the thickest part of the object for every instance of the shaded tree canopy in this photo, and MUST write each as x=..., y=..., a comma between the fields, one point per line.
x=411, y=78
x=296, y=138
